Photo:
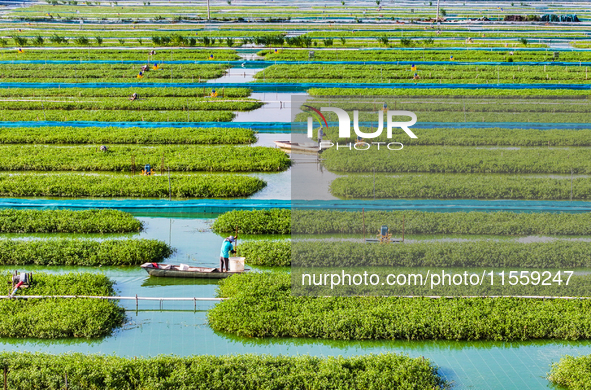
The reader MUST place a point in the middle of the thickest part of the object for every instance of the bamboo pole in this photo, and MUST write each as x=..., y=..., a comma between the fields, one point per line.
x=402, y=227
x=363, y=214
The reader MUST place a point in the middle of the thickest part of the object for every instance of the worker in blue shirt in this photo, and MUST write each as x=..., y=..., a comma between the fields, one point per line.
x=227, y=248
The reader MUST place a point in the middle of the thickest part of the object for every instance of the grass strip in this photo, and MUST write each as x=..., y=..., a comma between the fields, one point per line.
x=61, y=318
x=452, y=93
x=224, y=158
x=425, y=55
x=127, y=135
x=272, y=221
x=115, y=116
x=76, y=92
x=82, y=252
x=572, y=372
x=232, y=372
x=117, y=186
x=262, y=306
x=106, y=72
x=267, y=253
x=67, y=221
x=460, y=186
x=459, y=160
x=456, y=74
x=283, y=221
x=121, y=54
x=483, y=137
x=480, y=253
x=124, y=104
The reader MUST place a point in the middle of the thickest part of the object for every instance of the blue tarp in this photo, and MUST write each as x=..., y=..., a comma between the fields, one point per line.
x=218, y=205
x=264, y=64
x=286, y=127
x=296, y=87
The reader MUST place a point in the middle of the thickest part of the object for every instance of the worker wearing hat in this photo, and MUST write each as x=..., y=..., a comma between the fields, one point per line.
x=227, y=248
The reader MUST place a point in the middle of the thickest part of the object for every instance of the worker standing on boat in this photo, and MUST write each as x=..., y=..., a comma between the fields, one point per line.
x=227, y=248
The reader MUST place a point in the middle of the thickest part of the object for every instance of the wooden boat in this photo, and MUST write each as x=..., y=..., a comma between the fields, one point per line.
x=178, y=271
x=301, y=147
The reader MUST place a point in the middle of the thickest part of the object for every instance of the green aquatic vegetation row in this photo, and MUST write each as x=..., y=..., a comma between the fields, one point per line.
x=504, y=223
x=145, y=92
x=452, y=93
x=67, y=221
x=82, y=252
x=481, y=253
x=425, y=55
x=262, y=306
x=273, y=221
x=266, y=253
x=461, y=186
x=232, y=372
x=116, y=116
x=123, y=186
x=224, y=158
x=107, y=72
x=126, y=135
x=457, y=74
x=124, y=104
x=483, y=137
x=61, y=318
x=120, y=54
x=572, y=372
x=459, y=160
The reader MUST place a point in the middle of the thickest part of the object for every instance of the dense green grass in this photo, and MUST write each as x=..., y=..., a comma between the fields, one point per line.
x=67, y=221
x=120, y=54
x=273, y=221
x=262, y=306
x=124, y=104
x=496, y=93
x=117, y=186
x=482, y=137
x=460, y=186
x=267, y=253
x=231, y=372
x=481, y=253
x=281, y=221
x=459, y=160
x=572, y=372
x=126, y=135
x=82, y=252
x=427, y=55
x=72, y=73
x=146, y=92
x=61, y=318
x=456, y=74
x=224, y=158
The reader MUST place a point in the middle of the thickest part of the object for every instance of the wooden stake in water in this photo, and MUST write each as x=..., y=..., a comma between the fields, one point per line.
x=169, y=186
x=571, y=184
x=363, y=217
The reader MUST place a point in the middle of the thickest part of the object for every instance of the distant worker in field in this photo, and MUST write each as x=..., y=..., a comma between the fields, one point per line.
x=103, y=148
x=227, y=248
x=134, y=96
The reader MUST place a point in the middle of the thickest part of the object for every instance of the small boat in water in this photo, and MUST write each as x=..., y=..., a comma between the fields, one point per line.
x=300, y=147
x=185, y=271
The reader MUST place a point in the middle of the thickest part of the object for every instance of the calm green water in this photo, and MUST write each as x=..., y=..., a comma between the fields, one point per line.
x=181, y=327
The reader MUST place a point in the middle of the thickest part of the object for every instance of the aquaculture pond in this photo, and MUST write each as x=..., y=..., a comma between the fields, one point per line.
x=181, y=328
